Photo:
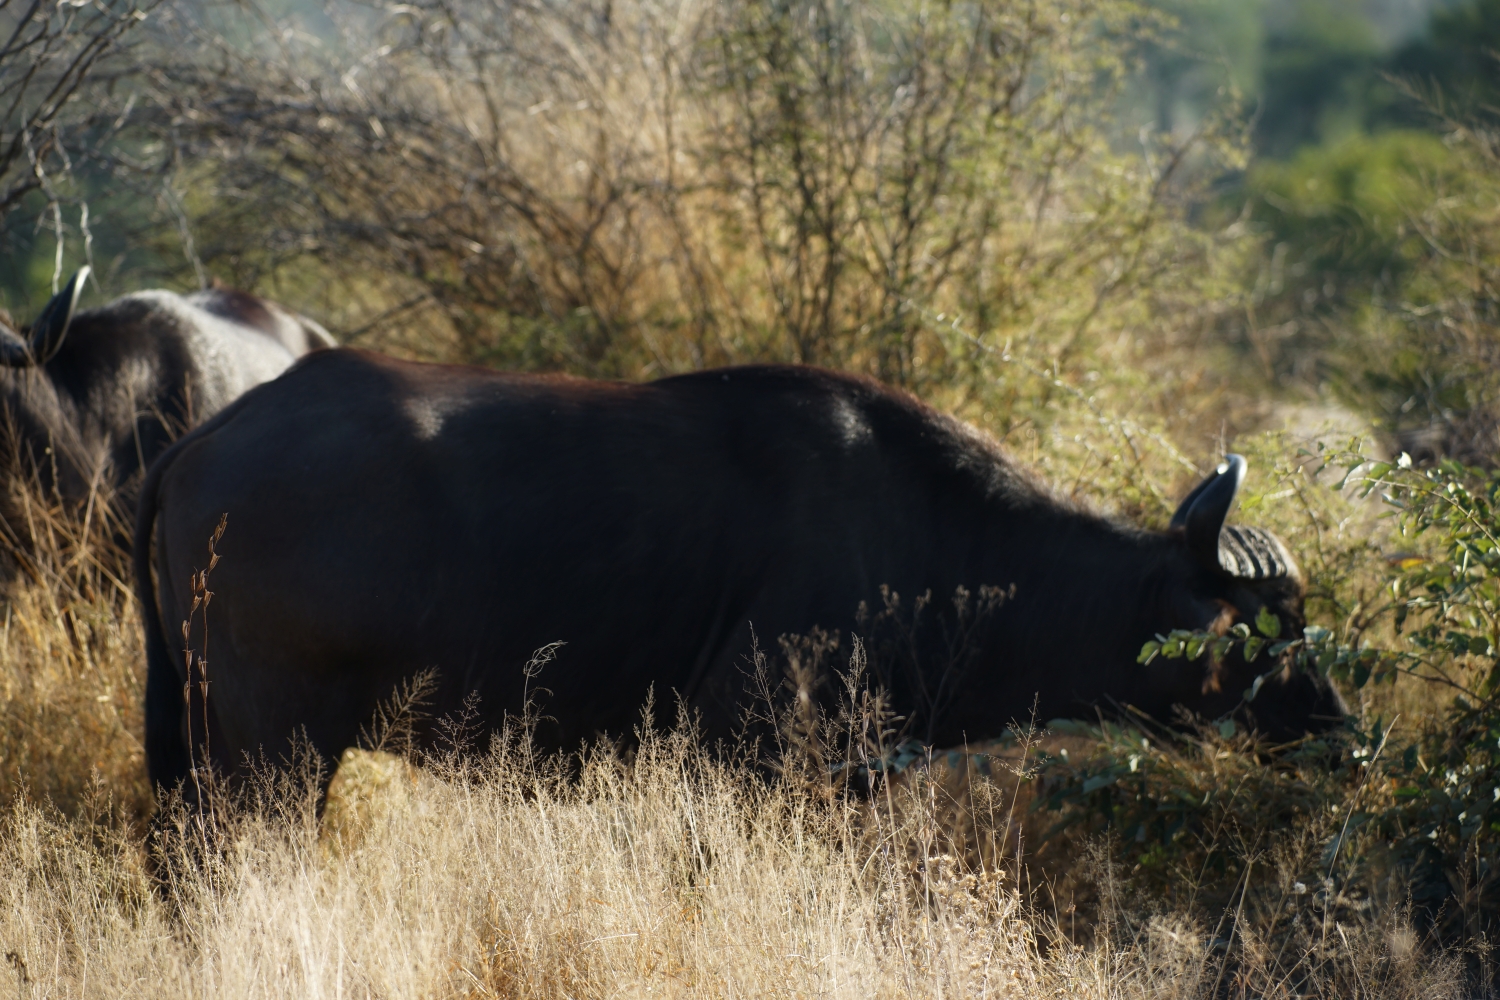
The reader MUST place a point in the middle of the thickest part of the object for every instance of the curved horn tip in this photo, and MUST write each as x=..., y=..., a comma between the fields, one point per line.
x=1203, y=514
x=1233, y=465
x=51, y=326
x=75, y=284
x=72, y=291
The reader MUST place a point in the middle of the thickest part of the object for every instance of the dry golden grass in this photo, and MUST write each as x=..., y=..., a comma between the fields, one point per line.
x=71, y=696
x=71, y=671
x=669, y=875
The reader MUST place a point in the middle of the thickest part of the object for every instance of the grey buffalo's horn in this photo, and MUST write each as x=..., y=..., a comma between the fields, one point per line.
x=1254, y=554
x=1201, y=514
x=48, y=331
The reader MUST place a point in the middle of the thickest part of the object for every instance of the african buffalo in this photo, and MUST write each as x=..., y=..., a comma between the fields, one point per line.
x=92, y=397
x=385, y=517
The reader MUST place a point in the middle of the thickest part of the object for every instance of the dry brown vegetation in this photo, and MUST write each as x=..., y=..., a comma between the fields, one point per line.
x=664, y=870
x=72, y=684
x=942, y=197
x=672, y=874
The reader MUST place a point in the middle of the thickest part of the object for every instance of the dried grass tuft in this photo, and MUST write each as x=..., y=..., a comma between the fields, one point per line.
x=71, y=676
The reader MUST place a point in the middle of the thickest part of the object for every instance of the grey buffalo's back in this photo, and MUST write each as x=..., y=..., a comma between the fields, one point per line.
x=94, y=402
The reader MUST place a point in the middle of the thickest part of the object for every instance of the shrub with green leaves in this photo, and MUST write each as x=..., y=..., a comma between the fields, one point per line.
x=1442, y=819
x=1400, y=807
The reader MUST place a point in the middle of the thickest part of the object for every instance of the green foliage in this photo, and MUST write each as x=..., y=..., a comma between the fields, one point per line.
x=1318, y=71
x=1343, y=210
x=1455, y=60
x=1419, y=799
x=1378, y=280
x=1320, y=75
x=1444, y=817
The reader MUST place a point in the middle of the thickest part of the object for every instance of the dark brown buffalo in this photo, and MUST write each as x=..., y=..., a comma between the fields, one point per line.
x=386, y=517
x=93, y=397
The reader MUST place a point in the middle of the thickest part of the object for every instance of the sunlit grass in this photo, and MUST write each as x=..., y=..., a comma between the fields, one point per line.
x=672, y=874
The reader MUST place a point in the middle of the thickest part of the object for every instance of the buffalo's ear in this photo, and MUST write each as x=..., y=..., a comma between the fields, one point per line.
x=1202, y=512
x=48, y=331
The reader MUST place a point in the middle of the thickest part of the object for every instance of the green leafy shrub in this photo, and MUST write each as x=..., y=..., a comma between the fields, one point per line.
x=1385, y=807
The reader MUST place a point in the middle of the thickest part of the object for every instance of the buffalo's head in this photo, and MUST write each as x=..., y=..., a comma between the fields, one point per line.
x=1219, y=576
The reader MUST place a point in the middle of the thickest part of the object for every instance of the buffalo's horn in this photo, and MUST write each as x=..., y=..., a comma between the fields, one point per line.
x=1201, y=514
x=1254, y=554
x=48, y=331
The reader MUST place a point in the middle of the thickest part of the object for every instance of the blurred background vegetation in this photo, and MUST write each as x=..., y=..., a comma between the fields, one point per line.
x=1217, y=216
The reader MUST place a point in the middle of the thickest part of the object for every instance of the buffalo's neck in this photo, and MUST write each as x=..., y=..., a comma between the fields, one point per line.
x=1077, y=594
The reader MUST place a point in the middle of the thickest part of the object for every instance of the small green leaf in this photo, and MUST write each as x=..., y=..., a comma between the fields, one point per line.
x=1267, y=624
x=1149, y=651
x=1226, y=729
x=1195, y=646
x=1255, y=687
x=1361, y=675
x=1252, y=648
x=1097, y=782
